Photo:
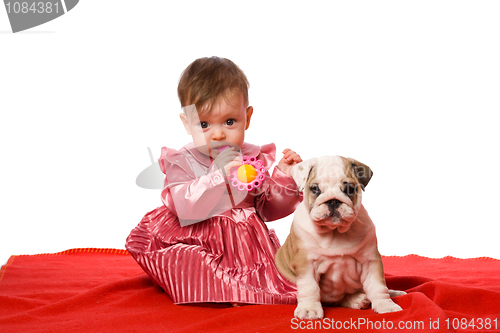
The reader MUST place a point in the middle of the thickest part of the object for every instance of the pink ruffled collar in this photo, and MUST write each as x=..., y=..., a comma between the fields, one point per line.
x=265, y=153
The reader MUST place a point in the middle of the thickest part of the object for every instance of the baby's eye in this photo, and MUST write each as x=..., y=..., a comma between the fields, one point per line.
x=230, y=122
x=203, y=124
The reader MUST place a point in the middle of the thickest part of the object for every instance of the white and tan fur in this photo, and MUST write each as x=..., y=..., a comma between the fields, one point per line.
x=331, y=252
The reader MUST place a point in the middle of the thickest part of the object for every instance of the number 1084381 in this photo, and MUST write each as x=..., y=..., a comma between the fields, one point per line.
x=33, y=8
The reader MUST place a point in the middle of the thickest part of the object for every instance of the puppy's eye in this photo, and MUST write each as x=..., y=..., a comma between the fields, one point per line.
x=349, y=189
x=314, y=188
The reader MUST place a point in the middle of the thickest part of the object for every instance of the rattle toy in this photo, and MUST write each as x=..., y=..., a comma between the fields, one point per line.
x=249, y=175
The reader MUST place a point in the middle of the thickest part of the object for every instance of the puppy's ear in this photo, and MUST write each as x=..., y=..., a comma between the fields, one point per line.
x=301, y=171
x=361, y=171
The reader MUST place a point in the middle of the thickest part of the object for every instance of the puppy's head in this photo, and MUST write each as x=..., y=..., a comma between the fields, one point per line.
x=332, y=187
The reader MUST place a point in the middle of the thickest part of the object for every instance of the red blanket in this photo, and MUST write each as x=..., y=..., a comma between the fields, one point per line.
x=104, y=290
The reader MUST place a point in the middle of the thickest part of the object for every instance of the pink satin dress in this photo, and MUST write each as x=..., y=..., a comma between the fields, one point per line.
x=209, y=242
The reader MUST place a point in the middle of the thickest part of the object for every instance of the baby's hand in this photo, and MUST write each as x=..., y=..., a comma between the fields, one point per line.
x=228, y=159
x=290, y=158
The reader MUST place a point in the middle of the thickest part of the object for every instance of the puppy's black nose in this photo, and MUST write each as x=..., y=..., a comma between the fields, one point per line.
x=333, y=204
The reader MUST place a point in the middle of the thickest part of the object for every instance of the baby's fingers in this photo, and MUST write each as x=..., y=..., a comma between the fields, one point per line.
x=233, y=164
x=228, y=155
x=291, y=156
x=295, y=158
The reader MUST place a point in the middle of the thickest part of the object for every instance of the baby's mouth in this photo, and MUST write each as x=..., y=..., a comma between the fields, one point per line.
x=222, y=148
x=214, y=151
x=219, y=147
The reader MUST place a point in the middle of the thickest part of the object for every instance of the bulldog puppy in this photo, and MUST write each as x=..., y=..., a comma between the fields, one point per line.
x=331, y=252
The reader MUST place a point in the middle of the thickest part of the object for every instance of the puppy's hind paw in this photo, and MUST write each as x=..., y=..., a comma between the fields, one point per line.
x=394, y=293
x=309, y=310
x=355, y=301
x=385, y=306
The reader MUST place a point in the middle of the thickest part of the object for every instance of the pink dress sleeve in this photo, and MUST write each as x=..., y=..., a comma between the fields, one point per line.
x=192, y=197
x=280, y=195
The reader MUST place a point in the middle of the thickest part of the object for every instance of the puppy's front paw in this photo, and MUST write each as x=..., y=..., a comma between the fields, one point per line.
x=385, y=306
x=309, y=310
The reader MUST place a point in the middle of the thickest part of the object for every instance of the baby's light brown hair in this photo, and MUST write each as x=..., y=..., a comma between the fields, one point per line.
x=206, y=80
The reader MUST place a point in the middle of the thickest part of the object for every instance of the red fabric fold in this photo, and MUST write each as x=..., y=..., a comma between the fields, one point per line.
x=104, y=290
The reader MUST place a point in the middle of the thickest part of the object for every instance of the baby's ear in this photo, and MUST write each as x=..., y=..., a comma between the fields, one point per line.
x=185, y=122
x=248, y=116
x=301, y=172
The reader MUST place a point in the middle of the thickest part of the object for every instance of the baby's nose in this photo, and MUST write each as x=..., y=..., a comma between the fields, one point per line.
x=218, y=134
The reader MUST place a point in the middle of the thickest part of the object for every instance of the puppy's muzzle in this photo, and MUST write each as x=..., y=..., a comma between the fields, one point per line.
x=333, y=212
x=333, y=205
x=338, y=211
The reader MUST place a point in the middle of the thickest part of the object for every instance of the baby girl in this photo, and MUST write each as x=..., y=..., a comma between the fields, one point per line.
x=209, y=242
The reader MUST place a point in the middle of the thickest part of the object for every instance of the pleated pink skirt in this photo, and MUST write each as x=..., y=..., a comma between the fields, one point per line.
x=217, y=260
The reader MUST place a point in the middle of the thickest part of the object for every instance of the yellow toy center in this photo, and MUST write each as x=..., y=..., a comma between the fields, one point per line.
x=246, y=173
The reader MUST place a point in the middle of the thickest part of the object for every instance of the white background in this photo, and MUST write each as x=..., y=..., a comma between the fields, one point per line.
x=409, y=88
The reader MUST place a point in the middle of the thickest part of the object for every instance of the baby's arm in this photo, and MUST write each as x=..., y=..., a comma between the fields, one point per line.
x=280, y=196
x=290, y=158
x=194, y=198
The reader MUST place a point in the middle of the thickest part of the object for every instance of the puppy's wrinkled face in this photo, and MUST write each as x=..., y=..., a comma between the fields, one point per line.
x=332, y=188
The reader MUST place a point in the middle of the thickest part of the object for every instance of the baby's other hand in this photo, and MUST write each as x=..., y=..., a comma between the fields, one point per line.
x=290, y=158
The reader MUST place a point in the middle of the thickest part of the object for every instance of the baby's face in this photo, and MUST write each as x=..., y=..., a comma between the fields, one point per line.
x=224, y=126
